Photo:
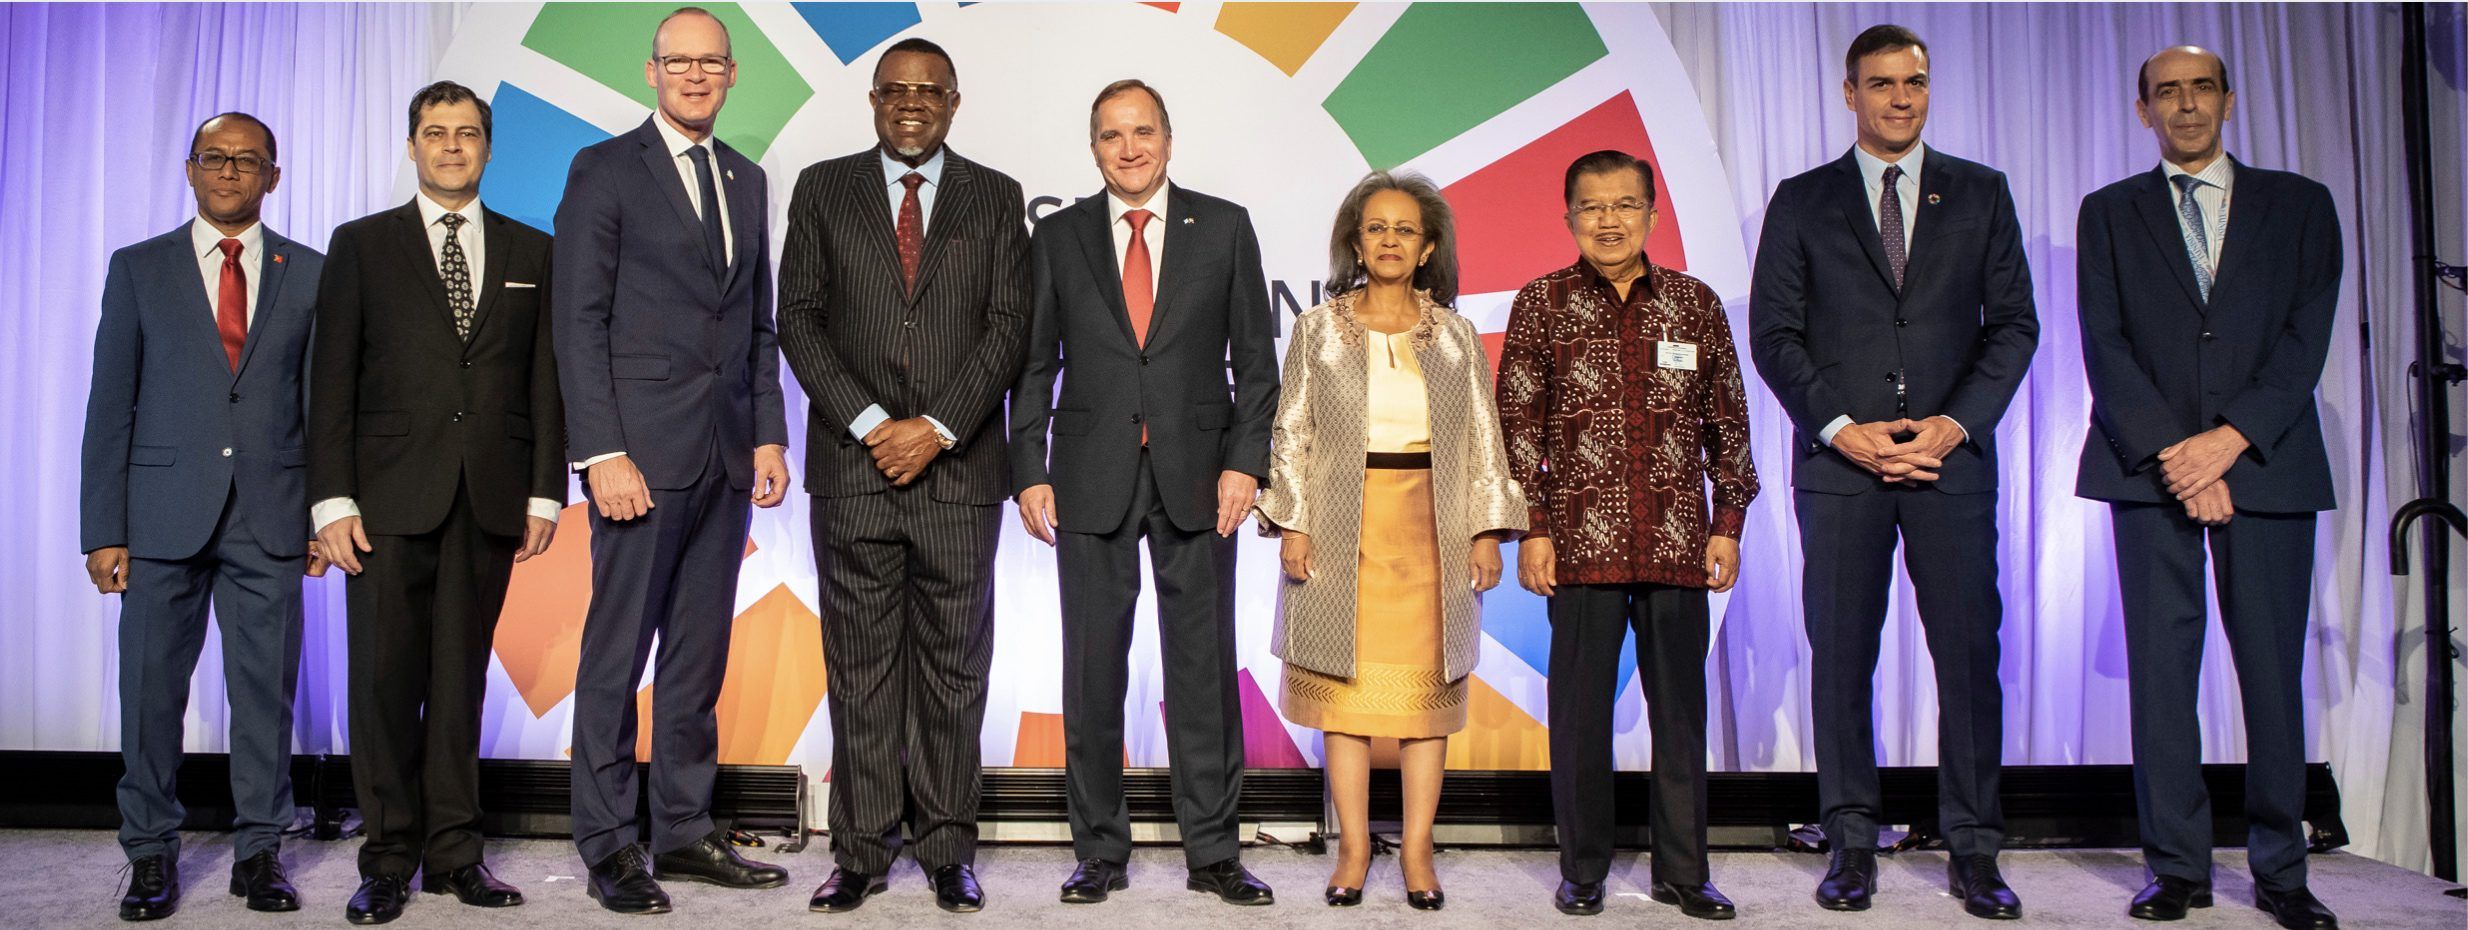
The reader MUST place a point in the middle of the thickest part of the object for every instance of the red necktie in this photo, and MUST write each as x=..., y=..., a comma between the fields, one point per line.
x=1139, y=293
x=231, y=303
x=911, y=233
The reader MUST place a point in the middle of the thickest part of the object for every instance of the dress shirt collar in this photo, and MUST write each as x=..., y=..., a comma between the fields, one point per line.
x=1872, y=168
x=431, y=211
x=1156, y=205
x=2220, y=173
x=206, y=239
x=678, y=143
x=893, y=168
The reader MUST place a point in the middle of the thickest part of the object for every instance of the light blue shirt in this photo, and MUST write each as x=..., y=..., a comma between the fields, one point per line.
x=893, y=170
x=2218, y=187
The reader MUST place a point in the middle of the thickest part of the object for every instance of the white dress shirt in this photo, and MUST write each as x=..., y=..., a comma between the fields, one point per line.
x=1153, y=233
x=208, y=242
x=2218, y=187
x=1907, y=190
x=475, y=251
x=678, y=146
x=893, y=170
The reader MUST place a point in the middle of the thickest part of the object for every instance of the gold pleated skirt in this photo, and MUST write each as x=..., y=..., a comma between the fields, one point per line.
x=1400, y=687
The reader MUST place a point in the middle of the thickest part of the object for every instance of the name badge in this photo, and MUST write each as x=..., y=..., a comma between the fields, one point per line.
x=1676, y=355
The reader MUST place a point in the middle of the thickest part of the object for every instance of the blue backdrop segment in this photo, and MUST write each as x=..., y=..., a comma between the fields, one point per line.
x=527, y=166
x=852, y=29
x=1521, y=623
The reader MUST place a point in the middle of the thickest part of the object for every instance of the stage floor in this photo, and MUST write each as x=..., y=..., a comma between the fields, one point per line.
x=64, y=878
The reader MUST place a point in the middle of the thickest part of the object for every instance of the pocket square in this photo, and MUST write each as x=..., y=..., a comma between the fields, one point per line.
x=520, y=284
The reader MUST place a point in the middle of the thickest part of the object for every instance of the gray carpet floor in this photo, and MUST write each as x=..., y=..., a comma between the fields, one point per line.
x=62, y=878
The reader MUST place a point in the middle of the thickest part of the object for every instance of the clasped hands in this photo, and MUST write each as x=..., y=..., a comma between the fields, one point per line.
x=902, y=448
x=2196, y=468
x=1872, y=446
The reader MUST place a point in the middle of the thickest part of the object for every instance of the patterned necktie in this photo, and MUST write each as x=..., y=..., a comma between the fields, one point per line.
x=714, y=238
x=1889, y=224
x=911, y=231
x=2197, y=236
x=456, y=269
x=231, y=303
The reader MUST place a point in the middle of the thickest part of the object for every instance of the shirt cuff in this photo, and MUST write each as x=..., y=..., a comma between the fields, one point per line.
x=332, y=509
x=940, y=429
x=546, y=509
x=1826, y=435
x=866, y=421
x=1966, y=432
x=597, y=459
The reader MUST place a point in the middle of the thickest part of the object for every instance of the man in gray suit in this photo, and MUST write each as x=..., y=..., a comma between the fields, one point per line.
x=904, y=293
x=1150, y=290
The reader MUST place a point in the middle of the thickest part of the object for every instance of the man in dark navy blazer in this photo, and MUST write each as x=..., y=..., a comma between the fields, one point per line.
x=1892, y=316
x=2208, y=288
x=193, y=492
x=670, y=374
x=1151, y=307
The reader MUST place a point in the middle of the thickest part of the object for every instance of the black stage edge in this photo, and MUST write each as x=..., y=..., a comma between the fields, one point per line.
x=2048, y=806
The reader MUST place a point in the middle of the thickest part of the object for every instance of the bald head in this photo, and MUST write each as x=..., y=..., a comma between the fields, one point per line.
x=2180, y=54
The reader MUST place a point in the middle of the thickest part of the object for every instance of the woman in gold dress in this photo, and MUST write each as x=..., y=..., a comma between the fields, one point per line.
x=1389, y=485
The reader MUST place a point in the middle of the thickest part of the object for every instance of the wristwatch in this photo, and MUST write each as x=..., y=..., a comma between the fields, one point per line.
x=946, y=441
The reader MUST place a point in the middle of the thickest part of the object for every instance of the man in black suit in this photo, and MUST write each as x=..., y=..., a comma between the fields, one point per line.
x=1892, y=316
x=2204, y=325
x=1150, y=290
x=669, y=369
x=904, y=297
x=437, y=444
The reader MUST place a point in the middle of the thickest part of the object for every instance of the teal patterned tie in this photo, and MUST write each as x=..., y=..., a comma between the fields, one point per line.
x=2197, y=236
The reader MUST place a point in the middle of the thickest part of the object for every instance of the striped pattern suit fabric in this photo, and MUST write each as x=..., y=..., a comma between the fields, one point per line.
x=907, y=572
x=1316, y=478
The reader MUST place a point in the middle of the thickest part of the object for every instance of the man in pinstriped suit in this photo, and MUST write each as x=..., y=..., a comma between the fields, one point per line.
x=904, y=300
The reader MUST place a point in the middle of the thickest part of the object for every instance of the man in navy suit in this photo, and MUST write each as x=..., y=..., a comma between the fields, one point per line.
x=2208, y=288
x=1892, y=316
x=193, y=492
x=669, y=366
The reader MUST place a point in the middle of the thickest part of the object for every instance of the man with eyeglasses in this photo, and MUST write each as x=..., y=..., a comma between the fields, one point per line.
x=1620, y=400
x=1892, y=316
x=669, y=370
x=193, y=492
x=904, y=296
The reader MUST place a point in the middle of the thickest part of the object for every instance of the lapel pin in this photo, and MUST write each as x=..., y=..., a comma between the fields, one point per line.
x=1188, y=221
x=278, y=258
x=731, y=173
x=1934, y=199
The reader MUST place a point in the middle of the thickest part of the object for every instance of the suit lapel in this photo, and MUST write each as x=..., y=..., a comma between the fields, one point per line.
x=2248, y=209
x=951, y=198
x=2152, y=202
x=498, y=246
x=1851, y=195
x=271, y=275
x=664, y=175
x=1097, y=242
x=184, y=262
x=413, y=241
x=1936, y=181
x=1181, y=239
x=742, y=218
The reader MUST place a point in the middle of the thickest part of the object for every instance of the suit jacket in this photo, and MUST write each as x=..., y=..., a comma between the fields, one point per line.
x=1317, y=477
x=662, y=354
x=2164, y=364
x=1211, y=312
x=857, y=336
x=172, y=432
x=1831, y=335
x=404, y=410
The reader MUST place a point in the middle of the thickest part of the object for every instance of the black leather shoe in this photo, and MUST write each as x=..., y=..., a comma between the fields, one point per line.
x=1092, y=880
x=2168, y=898
x=1579, y=898
x=154, y=889
x=847, y=890
x=1850, y=881
x=379, y=900
x=623, y=883
x=1231, y=883
x=2296, y=910
x=260, y=879
x=1984, y=894
x=1426, y=900
x=714, y=860
x=1699, y=900
x=955, y=890
x=1338, y=896
x=472, y=885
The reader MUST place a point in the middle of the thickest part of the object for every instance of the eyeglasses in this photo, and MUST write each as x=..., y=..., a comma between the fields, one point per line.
x=679, y=64
x=214, y=161
x=1625, y=210
x=896, y=91
x=1381, y=231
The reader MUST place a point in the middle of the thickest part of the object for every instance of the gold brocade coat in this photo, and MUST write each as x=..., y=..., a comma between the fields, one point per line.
x=1316, y=478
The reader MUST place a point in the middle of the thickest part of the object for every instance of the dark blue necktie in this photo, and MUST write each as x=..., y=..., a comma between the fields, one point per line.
x=713, y=238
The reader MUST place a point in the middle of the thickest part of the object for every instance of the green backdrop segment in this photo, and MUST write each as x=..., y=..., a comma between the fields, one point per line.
x=1444, y=68
x=608, y=42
